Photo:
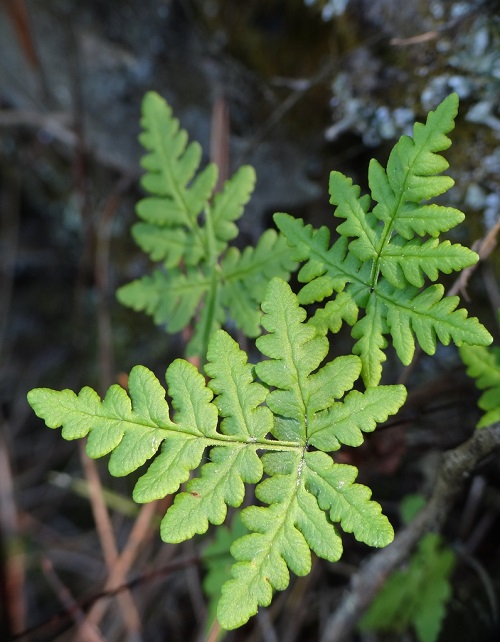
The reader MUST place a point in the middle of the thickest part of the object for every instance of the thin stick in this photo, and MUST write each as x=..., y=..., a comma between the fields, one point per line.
x=486, y=246
x=107, y=538
x=88, y=632
x=140, y=531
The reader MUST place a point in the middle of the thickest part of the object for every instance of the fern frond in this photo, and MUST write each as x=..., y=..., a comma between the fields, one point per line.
x=414, y=165
x=186, y=227
x=371, y=342
x=342, y=308
x=417, y=595
x=345, y=422
x=233, y=417
x=246, y=422
x=130, y=427
x=378, y=265
x=170, y=245
x=295, y=350
x=483, y=365
x=284, y=532
x=429, y=219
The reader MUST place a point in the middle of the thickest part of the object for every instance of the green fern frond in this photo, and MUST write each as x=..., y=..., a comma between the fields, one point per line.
x=186, y=228
x=483, y=365
x=417, y=595
x=297, y=404
x=377, y=265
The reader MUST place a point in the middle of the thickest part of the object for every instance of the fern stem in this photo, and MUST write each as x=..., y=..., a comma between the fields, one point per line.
x=211, y=305
x=386, y=237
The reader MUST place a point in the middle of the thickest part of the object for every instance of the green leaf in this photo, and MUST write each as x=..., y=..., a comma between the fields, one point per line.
x=414, y=163
x=278, y=541
x=326, y=269
x=222, y=425
x=132, y=427
x=206, y=497
x=484, y=366
x=295, y=350
x=342, y=308
x=355, y=210
x=222, y=479
x=425, y=219
x=239, y=399
x=369, y=332
x=172, y=246
x=171, y=164
x=170, y=298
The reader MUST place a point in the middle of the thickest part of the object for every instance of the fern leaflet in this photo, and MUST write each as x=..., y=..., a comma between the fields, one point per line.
x=380, y=264
x=296, y=404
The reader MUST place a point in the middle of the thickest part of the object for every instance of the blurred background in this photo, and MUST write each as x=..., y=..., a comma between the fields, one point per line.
x=296, y=88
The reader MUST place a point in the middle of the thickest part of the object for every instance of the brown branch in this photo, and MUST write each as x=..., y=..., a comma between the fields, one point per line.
x=456, y=466
x=19, y=15
x=107, y=539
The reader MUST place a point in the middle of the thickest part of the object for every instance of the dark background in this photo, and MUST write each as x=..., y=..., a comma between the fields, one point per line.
x=299, y=95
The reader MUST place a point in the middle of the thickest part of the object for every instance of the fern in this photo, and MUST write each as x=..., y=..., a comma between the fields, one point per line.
x=275, y=424
x=382, y=259
x=187, y=228
x=296, y=405
x=415, y=596
x=484, y=366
